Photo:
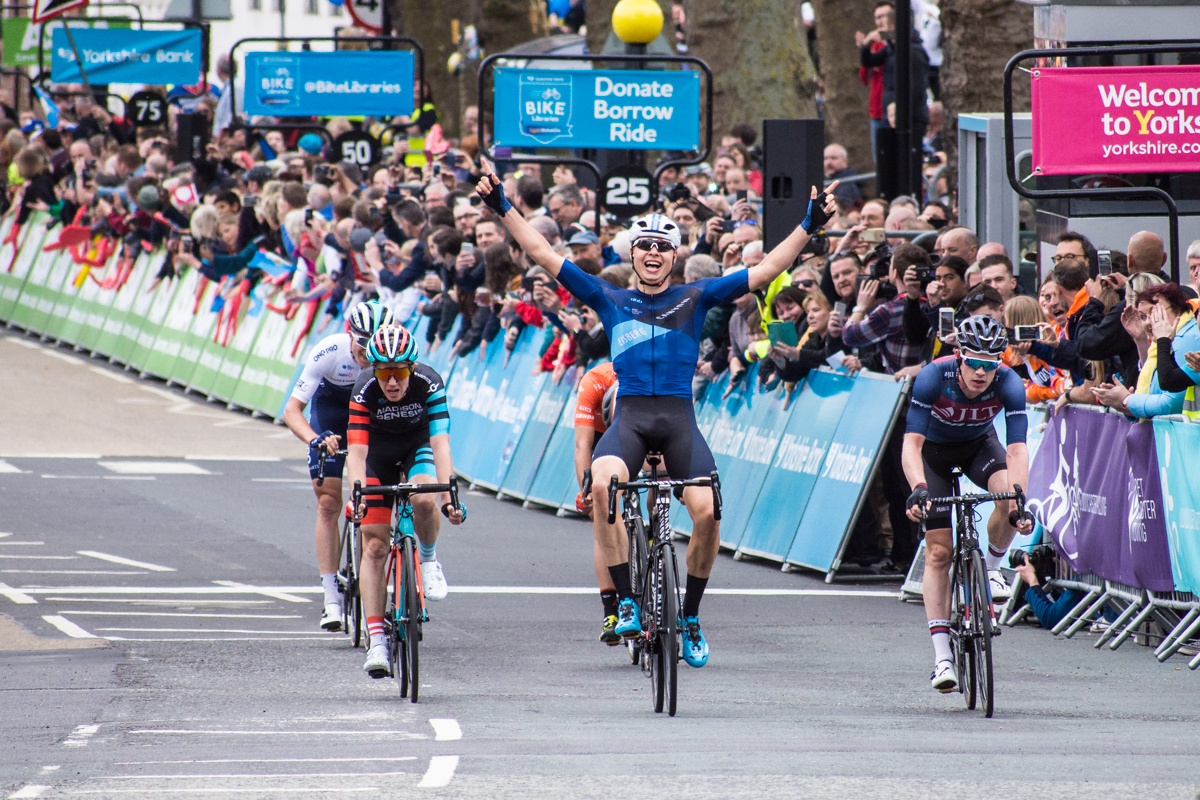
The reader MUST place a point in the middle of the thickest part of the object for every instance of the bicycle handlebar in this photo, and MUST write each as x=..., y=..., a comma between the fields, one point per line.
x=405, y=490
x=587, y=482
x=324, y=454
x=1014, y=517
x=713, y=481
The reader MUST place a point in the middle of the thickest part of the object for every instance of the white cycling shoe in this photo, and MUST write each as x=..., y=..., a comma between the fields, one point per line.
x=944, y=678
x=434, y=581
x=1001, y=591
x=377, y=662
x=331, y=620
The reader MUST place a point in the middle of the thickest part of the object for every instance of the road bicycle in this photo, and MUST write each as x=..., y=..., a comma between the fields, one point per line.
x=972, y=615
x=654, y=573
x=404, y=606
x=350, y=554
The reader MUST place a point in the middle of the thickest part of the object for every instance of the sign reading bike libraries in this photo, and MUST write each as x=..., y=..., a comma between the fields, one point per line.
x=330, y=84
x=622, y=109
x=127, y=56
x=1116, y=120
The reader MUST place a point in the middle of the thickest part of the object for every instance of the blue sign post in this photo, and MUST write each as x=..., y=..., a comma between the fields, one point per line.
x=624, y=109
x=118, y=55
x=307, y=84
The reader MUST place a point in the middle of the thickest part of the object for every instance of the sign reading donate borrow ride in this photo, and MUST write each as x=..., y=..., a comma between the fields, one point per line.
x=626, y=109
x=1116, y=119
x=127, y=56
x=329, y=84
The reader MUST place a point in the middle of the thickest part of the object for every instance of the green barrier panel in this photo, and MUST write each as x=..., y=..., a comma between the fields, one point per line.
x=16, y=270
x=252, y=383
x=36, y=300
x=199, y=334
x=200, y=347
x=96, y=303
x=282, y=369
x=119, y=302
x=59, y=294
x=140, y=299
x=148, y=323
x=80, y=315
x=10, y=283
x=236, y=353
x=178, y=318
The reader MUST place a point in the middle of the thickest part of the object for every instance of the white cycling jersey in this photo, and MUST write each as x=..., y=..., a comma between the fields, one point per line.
x=329, y=371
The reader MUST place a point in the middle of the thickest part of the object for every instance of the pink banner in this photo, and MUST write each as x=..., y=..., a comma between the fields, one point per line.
x=1116, y=120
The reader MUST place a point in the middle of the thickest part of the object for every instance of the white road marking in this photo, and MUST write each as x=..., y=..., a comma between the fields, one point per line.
x=265, y=760
x=284, y=480
x=46, y=558
x=50, y=351
x=215, y=630
x=67, y=572
x=177, y=603
x=76, y=456
x=66, y=626
x=277, y=594
x=280, y=435
x=210, y=639
x=129, y=562
x=179, y=614
x=263, y=790
x=72, y=477
x=129, y=477
x=234, y=458
x=50, y=767
x=196, y=731
x=154, y=468
x=229, y=588
x=446, y=730
x=28, y=790
x=441, y=770
x=16, y=595
x=740, y=592
x=22, y=342
x=251, y=775
x=80, y=736
x=116, y=376
x=7, y=467
x=20, y=543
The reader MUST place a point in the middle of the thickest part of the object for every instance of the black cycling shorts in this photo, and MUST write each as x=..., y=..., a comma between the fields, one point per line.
x=979, y=459
x=387, y=464
x=328, y=414
x=659, y=424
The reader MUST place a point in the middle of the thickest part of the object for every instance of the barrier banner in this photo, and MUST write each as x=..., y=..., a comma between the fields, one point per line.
x=59, y=297
x=150, y=324
x=10, y=284
x=123, y=297
x=90, y=310
x=523, y=466
x=1105, y=517
x=306, y=84
x=788, y=484
x=228, y=361
x=627, y=109
x=1115, y=119
x=555, y=484
x=37, y=299
x=160, y=359
x=707, y=409
x=198, y=333
x=142, y=301
x=21, y=38
x=1176, y=443
x=120, y=55
x=841, y=486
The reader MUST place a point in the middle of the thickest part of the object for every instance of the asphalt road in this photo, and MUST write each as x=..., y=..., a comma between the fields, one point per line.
x=212, y=678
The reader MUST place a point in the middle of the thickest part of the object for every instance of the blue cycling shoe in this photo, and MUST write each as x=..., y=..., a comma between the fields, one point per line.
x=629, y=619
x=695, y=648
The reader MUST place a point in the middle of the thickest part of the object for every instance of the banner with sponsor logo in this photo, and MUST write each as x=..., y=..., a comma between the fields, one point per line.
x=1116, y=119
x=21, y=38
x=804, y=440
x=1177, y=445
x=1094, y=487
x=625, y=109
x=841, y=485
x=127, y=56
x=306, y=84
x=547, y=408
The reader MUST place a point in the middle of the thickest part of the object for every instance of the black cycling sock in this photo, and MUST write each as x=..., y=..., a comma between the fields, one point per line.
x=621, y=580
x=691, y=600
x=609, y=598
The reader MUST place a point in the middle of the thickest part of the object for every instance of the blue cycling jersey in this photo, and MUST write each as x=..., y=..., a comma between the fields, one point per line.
x=654, y=338
x=943, y=414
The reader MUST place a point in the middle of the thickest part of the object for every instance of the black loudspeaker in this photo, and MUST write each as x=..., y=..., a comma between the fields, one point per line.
x=793, y=162
x=192, y=130
x=885, y=163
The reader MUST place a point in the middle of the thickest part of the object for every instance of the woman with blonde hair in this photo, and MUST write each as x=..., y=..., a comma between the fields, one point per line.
x=1042, y=381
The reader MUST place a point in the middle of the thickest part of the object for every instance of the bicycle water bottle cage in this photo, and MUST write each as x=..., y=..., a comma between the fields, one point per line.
x=406, y=519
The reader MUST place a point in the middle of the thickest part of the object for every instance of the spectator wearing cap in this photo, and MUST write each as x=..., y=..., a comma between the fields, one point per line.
x=585, y=244
x=699, y=178
x=837, y=167
x=311, y=144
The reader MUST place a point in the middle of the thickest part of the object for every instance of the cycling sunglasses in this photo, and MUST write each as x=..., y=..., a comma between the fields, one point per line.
x=987, y=365
x=645, y=245
x=385, y=374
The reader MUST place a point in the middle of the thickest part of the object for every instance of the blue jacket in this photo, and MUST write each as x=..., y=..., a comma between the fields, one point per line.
x=1156, y=402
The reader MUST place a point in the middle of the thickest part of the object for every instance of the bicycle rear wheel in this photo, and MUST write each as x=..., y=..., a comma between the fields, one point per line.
x=351, y=597
x=981, y=615
x=668, y=632
x=412, y=618
x=390, y=628
x=638, y=567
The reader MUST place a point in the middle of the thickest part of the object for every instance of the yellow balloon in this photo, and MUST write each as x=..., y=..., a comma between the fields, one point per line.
x=637, y=21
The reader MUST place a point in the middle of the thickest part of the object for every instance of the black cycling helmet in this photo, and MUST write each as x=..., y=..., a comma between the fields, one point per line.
x=980, y=334
x=608, y=404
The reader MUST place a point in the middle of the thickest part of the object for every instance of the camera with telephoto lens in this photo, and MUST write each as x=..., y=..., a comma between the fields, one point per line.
x=674, y=192
x=881, y=261
x=1042, y=558
x=818, y=245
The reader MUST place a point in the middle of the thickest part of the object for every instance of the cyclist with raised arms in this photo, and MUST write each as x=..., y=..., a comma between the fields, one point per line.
x=655, y=330
x=593, y=416
x=399, y=431
x=954, y=401
x=325, y=384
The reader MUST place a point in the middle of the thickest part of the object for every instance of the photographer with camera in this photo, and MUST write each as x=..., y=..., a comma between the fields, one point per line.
x=1036, y=569
x=929, y=290
x=870, y=323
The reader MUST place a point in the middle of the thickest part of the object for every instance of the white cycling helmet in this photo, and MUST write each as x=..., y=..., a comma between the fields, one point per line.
x=655, y=226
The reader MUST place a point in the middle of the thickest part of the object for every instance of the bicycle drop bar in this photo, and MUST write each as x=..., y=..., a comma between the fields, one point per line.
x=321, y=464
x=406, y=489
x=1014, y=518
x=714, y=482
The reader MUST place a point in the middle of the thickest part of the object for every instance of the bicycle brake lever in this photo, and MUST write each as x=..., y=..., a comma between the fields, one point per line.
x=454, y=493
x=716, y=491
x=612, y=500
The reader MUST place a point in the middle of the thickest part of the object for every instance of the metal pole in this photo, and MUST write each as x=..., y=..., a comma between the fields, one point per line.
x=904, y=87
x=635, y=157
x=78, y=60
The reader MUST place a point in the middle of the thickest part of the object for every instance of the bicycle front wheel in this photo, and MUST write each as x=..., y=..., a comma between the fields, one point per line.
x=960, y=634
x=637, y=554
x=981, y=615
x=668, y=632
x=391, y=616
x=412, y=619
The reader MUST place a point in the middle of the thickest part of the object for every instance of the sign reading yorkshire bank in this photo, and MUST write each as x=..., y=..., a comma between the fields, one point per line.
x=611, y=109
x=120, y=55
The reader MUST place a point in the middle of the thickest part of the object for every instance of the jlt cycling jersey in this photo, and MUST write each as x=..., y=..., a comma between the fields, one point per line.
x=943, y=414
x=655, y=339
